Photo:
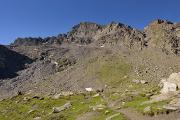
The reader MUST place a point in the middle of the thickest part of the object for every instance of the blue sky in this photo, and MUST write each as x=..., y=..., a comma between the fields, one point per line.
x=24, y=18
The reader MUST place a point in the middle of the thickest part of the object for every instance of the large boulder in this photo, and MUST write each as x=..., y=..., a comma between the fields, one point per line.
x=175, y=78
x=171, y=84
x=62, y=108
x=168, y=87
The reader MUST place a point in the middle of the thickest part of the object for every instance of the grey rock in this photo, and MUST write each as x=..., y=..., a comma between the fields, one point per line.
x=98, y=107
x=147, y=109
x=171, y=108
x=62, y=108
x=143, y=82
x=37, y=118
x=113, y=116
x=67, y=93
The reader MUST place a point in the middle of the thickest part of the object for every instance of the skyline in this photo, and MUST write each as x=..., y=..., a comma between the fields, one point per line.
x=42, y=18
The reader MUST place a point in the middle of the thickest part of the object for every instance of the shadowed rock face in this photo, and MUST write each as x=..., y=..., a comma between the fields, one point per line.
x=11, y=62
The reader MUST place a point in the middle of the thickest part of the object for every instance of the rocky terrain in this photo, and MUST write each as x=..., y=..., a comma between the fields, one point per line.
x=115, y=67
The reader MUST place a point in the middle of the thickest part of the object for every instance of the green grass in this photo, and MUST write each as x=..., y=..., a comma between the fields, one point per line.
x=114, y=71
x=18, y=109
x=111, y=70
x=117, y=73
x=155, y=108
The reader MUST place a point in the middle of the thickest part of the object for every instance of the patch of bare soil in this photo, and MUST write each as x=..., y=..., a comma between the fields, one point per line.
x=87, y=116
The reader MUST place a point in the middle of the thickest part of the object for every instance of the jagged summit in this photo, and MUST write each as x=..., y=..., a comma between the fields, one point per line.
x=159, y=33
x=160, y=21
x=82, y=33
x=87, y=26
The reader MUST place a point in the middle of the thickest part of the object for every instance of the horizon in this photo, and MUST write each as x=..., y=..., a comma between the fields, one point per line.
x=52, y=17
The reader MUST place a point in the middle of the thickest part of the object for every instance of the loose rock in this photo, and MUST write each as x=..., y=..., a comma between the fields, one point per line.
x=37, y=118
x=62, y=108
x=67, y=93
x=147, y=109
x=98, y=107
x=111, y=117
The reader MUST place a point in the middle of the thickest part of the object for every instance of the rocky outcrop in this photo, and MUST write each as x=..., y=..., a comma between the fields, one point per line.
x=62, y=108
x=162, y=34
x=123, y=35
x=84, y=32
x=168, y=87
x=175, y=78
x=171, y=84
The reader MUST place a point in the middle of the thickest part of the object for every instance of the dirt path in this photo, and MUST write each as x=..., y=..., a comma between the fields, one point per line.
x=131, y=114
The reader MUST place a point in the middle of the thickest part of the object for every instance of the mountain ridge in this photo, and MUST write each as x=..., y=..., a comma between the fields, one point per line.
x=64, y=61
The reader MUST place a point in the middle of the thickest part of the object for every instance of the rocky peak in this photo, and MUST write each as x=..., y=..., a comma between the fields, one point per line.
x=161, y=34
x=118, y=33
x=117, y=25
x=29, y=41
x=55, y=40
x=159, y=24
x=83, y=32
x=85, y=26
x=160, y=21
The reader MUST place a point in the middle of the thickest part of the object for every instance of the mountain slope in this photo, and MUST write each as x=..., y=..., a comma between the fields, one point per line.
x=96, y=56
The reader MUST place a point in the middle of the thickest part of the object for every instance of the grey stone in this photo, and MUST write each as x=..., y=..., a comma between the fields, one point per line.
x=113, y=116
x=147, y=109
x=62, y=108
x=168, y=87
